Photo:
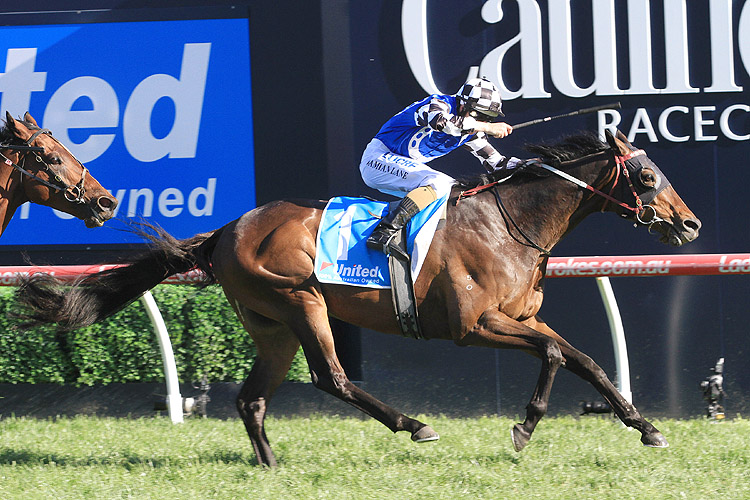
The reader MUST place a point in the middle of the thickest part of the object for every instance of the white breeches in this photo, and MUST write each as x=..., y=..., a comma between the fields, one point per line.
x=397, y=175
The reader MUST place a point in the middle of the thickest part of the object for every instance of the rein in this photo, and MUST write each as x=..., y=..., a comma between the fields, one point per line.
x=479, y=189
x=501, y=206
x=639, y=209
x=529, y=241
x=72, y=193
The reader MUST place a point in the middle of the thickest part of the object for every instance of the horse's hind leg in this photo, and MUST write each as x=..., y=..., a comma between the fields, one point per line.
x=314, y=331
x=583, y=366
x=276, y=346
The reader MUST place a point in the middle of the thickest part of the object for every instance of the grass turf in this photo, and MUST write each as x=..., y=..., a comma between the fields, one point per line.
x=347, y=458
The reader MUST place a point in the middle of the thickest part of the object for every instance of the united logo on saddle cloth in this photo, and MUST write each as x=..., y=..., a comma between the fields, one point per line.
x=342, y=256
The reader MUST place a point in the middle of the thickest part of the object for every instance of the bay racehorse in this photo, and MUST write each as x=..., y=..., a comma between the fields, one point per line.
x=497, y=237
x=36, y=167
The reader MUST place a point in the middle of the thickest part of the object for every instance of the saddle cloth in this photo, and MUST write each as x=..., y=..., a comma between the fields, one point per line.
x=342, y=256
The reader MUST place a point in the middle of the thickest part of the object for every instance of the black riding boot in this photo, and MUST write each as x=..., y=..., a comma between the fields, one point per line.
x=382, y=237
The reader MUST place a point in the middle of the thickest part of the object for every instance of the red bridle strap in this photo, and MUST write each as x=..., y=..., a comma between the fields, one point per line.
x=621, y=166
x=619, y=160
x=475, y=190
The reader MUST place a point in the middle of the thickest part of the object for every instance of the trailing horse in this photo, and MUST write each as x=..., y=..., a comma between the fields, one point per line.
x=35, y=167
x=497, y=235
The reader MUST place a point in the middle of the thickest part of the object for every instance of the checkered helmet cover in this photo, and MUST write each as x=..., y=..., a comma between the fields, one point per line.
x=481, y=95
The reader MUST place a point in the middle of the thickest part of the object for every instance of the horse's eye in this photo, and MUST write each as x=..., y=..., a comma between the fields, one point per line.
x=648, y=178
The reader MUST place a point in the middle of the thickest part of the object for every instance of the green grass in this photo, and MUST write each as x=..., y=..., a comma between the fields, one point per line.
x=346, y=458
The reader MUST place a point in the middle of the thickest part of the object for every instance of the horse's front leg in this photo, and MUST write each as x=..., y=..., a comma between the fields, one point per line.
x=495, y=329
x=583, y=366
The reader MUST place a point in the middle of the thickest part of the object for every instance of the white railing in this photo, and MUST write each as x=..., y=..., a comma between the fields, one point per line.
x=602, y=268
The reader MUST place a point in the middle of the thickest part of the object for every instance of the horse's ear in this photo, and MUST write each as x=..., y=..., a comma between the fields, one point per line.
x=10, y=121
x=17, y=127
x=619, y=135
x=30, y=119
x=618, y=144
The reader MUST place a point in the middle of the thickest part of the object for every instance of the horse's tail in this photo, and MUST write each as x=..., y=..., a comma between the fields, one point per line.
x=45, y=299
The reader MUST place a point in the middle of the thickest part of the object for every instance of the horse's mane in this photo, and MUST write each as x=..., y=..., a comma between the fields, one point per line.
x=568, y=148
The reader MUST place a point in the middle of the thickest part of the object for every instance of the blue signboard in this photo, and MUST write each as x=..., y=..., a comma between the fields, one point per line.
x=160, y=112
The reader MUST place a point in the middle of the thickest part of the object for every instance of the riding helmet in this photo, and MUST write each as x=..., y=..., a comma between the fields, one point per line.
x=481, y=95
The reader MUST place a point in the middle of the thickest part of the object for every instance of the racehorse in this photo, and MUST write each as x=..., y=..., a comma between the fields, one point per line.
x=36, y=167
x=497, y=237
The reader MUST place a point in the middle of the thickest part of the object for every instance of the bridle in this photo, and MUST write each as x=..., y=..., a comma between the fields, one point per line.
x=639, y=210
x=72, y=193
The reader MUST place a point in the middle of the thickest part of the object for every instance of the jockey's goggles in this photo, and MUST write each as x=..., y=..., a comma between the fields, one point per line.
x=482, y=117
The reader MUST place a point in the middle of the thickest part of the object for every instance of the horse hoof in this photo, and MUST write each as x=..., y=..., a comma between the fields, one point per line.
x=424, y=435
x=519, y=437
x=654, y=440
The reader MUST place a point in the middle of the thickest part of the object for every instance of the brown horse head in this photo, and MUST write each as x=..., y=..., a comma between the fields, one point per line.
x=657, y=205
x=52, y=176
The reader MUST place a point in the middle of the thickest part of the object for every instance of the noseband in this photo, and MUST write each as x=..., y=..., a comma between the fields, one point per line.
x=72, y=193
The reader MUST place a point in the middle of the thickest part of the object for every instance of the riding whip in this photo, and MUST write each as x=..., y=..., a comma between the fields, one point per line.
x=614, y=105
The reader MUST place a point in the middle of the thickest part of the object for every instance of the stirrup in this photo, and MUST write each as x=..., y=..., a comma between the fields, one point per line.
x=389, y=247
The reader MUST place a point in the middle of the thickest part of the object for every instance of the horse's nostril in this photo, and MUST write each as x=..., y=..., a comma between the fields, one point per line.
x=107, y=203
x=692, y=224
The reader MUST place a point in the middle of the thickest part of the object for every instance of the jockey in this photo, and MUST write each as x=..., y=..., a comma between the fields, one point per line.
x=395, y=161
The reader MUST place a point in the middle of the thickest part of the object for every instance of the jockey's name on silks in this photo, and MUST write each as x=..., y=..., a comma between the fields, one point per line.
x=342, y=256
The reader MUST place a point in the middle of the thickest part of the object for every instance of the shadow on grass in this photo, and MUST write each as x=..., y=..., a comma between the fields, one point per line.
x=415, y=457
x=123, y=458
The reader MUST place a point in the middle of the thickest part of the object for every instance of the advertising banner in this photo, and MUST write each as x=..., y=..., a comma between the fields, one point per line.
x=686, y=62
x=160, y=113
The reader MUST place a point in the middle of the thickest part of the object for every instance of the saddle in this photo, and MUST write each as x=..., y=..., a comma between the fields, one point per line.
x=342, y=256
